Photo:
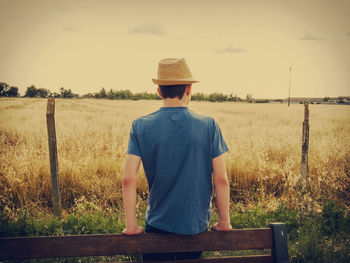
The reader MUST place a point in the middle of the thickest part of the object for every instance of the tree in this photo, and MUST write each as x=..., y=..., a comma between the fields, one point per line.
x=67, y=93
x=111, y=94
x=88, y=95
x=7, y=91
x=213, y=97
x=3, y=89
x=198, y=96
x=43, y=93
x=233, y=98
x=31, y=92
x=12, y=92
x=54, y=95
x=124, y=94
x=249, y=98
x=103, y=93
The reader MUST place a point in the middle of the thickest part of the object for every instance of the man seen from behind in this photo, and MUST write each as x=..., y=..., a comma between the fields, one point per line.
x=182, y=155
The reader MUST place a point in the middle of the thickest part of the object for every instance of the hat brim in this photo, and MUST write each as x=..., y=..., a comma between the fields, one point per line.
x=168, y=82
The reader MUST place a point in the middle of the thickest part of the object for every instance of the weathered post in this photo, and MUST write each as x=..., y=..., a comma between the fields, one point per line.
x=290, y=80
x=305, y=146
x=51, y=131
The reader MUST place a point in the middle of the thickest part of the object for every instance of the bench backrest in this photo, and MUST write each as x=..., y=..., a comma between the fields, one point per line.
x=273, y=238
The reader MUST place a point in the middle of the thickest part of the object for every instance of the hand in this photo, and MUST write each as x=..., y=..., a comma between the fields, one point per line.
x=136, y=231
x=222, y=227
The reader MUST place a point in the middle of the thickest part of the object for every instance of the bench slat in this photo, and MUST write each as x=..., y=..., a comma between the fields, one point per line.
x=241, y=259
x=117, y=244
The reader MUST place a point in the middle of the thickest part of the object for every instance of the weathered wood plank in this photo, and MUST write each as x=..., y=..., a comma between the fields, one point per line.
x=117, y=244
x=51, y=132
x=241, y=259
x=280, y=247
x=305, y=147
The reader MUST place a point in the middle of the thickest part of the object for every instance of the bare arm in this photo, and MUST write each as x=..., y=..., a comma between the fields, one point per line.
x=129, y=194
x=222, y=189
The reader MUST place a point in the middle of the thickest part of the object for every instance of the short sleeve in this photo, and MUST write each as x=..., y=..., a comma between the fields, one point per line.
x=218, y=143
x=133, y=146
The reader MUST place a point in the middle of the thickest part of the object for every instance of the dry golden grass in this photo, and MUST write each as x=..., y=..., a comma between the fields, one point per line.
x=263, y=163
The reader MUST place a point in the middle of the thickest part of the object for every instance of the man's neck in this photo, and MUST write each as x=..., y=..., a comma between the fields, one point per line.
x=168, y=102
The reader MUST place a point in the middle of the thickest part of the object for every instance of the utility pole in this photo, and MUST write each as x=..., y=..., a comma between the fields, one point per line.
x=290, y=77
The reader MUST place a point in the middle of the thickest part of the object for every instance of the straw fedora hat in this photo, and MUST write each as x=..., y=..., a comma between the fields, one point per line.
x=173, y=71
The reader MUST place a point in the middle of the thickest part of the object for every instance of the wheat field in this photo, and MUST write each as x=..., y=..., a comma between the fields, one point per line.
x=263, y=163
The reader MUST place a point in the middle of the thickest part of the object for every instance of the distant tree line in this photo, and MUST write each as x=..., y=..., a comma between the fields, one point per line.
x=121, y=95
x=128, y=95
x=33, y=92
x=214, y=97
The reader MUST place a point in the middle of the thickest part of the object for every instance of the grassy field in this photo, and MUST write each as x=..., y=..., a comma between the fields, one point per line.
x=263, y=163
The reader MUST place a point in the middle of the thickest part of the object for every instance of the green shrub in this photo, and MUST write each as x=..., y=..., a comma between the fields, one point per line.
x=27, y=225
x=333, y=218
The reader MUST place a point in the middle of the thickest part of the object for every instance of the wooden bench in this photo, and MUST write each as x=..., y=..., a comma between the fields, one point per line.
x=274, y=238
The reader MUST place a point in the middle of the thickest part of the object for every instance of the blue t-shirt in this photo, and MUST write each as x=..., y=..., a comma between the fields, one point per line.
x=177, y=146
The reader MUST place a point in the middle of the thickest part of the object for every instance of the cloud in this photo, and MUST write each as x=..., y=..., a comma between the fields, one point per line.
x=19, y=17
x=231, y=49
x=310, y=37
x=148, y=30
x=71, y=29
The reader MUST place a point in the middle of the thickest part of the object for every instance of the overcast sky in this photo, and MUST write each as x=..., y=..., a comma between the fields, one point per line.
x=236, y=47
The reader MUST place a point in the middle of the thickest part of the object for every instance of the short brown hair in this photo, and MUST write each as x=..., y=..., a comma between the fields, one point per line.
x=172, y=91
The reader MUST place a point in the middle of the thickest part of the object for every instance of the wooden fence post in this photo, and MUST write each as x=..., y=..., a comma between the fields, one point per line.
x=280, y=247
x=51, y=131
x=305, y=146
